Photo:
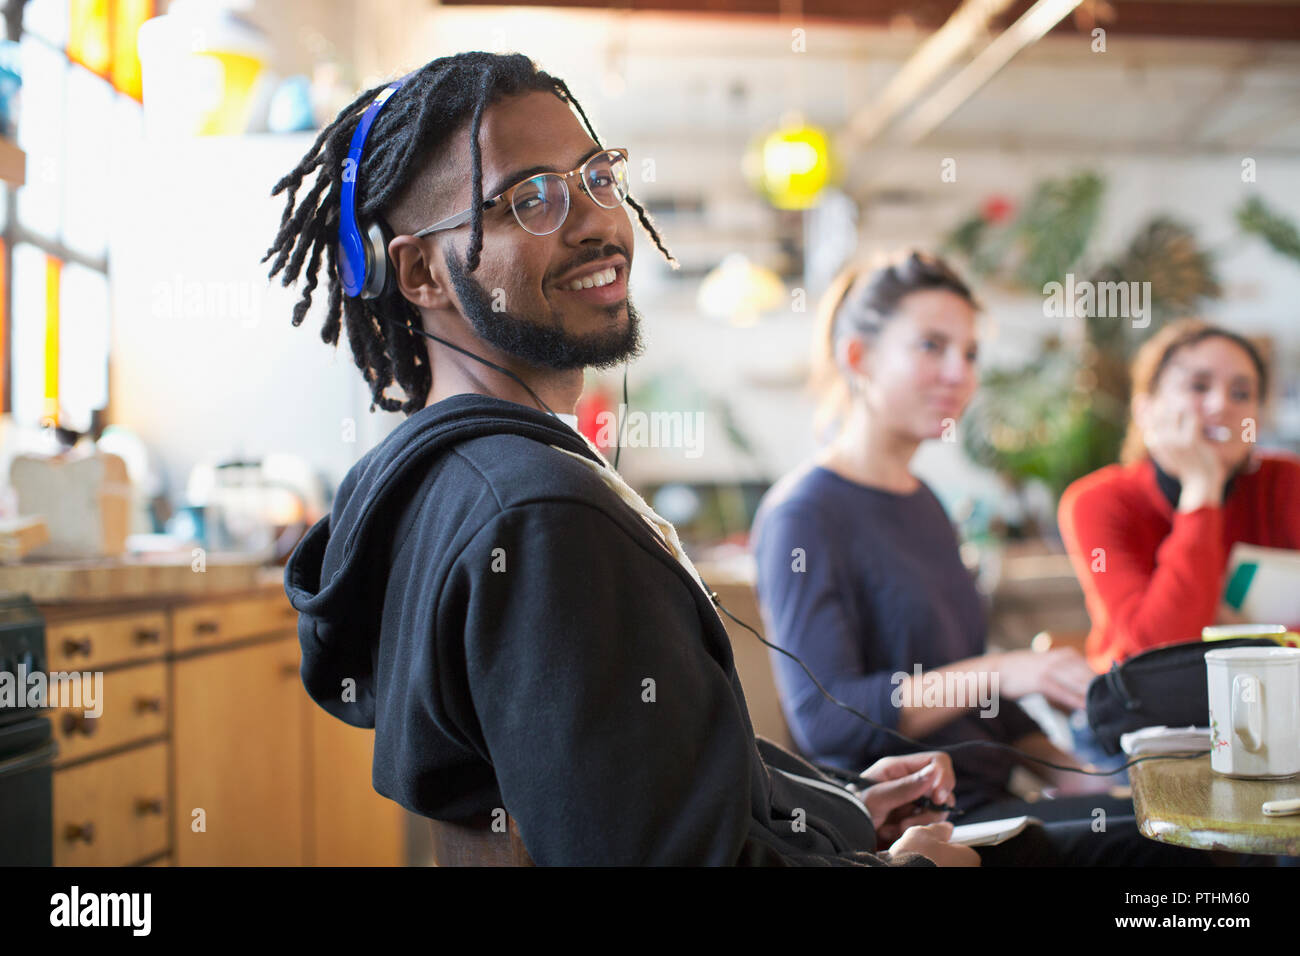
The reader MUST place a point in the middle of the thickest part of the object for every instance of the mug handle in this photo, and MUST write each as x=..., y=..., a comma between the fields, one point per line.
x=1247, y=710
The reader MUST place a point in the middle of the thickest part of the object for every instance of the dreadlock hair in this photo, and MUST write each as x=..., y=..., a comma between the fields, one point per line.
x=419, y=118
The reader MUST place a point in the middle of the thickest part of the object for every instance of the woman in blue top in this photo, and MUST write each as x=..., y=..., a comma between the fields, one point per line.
x=858, y=565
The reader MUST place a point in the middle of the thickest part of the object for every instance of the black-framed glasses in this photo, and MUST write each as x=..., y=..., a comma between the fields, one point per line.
x=541, y=203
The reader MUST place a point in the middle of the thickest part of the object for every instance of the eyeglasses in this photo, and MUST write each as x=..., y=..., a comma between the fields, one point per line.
x=541, y=203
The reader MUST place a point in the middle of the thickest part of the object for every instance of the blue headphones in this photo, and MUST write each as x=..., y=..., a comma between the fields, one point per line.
x=363, y=254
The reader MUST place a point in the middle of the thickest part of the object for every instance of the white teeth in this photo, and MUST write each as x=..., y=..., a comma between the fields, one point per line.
x=595, y=280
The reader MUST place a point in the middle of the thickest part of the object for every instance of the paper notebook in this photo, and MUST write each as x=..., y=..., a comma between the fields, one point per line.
x=1165, y=740
x=991, y=832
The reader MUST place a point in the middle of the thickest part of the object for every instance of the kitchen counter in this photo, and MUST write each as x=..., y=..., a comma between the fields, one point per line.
x=152, y=576
x=200, y=746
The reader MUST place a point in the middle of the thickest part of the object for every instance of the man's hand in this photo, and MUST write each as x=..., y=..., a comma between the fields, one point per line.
x=897, y=783
x=932, y=843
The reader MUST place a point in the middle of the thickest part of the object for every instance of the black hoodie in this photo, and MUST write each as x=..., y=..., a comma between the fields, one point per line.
x=520, y=638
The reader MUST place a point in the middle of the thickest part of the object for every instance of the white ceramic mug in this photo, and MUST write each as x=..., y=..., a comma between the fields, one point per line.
x=1254, y=711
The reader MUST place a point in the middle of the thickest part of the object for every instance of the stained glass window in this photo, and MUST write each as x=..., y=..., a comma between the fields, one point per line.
x=79, y=103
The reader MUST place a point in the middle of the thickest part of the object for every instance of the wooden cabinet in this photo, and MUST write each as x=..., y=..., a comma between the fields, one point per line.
x=132, y=705
x=207, y=750
x=112, y=811
x=215, y=623
x=94, y=643
x=239, y=757
x=351, y=825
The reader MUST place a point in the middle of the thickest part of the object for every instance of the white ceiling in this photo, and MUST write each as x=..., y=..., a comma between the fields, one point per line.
x=704, y=78
x=708, y=78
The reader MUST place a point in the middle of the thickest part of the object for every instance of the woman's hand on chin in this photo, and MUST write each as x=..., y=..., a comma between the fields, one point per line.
x=1176, y=441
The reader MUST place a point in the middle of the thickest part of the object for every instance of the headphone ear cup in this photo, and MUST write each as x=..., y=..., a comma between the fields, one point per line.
x=379, y=270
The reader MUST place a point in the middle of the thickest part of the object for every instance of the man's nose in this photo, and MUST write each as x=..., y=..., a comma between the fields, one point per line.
x=588, y=220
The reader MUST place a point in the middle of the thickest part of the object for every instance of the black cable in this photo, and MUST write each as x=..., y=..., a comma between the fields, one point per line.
x=826, y=693
x=713, y=596
x=622, y=412
x=504, y=371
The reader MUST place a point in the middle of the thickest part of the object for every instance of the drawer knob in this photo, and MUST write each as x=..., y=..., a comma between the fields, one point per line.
x=148, y=805
x=148, y=635
x=207, y=627
x=79, y=724
x=144, y=705
x=74, y=646
x=85, y=832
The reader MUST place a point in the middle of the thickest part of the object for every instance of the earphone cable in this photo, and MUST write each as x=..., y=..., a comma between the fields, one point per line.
x=503, y=371
x=919, y=745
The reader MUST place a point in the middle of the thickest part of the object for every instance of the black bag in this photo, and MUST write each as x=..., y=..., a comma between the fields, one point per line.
x=1166, y=685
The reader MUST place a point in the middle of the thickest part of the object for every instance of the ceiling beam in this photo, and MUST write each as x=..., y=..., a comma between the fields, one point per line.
x=1278, y=21
x=1025, y=32
x=940, y=50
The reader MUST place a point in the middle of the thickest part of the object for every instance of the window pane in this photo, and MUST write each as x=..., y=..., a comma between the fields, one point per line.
x=83, y=345
x=40, y=134
x=89, y=133
x=28, y=334
x=127, y=17
x=48, y=19
x=128, y=120
x=88, y=34
x=128, y=128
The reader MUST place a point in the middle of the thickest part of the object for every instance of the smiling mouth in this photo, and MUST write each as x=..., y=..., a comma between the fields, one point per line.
x=603, y=288
x=593, y=281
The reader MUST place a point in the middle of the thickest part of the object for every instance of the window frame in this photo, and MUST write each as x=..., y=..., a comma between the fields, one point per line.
x=15, y=233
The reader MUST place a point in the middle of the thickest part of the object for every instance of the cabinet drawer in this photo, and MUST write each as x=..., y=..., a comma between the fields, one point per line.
x=112, y=812
x=221, y=622
x=133, y=704
x=94, y=643
x=239, y=740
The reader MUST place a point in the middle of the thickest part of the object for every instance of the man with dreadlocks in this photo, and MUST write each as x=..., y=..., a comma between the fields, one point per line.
x=525, y=635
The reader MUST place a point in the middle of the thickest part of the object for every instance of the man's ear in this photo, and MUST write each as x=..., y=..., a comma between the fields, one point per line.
x=413, y=267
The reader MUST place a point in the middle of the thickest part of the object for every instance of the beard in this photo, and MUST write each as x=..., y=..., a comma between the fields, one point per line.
x=545, y=343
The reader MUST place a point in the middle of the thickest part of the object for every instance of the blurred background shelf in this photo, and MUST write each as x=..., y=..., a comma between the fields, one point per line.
x=13, y=163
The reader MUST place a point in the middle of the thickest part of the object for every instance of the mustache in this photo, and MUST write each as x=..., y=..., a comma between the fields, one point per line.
x=591, y=255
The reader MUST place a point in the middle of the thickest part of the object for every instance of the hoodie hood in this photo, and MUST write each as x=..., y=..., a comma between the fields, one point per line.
x=336, y=576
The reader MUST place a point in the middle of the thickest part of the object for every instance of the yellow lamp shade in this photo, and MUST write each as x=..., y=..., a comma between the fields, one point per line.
x=791, y=166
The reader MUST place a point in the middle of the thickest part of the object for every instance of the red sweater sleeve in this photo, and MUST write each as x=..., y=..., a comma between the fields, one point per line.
x=1282, y=504
x=1279, y=510
x=1142, y=592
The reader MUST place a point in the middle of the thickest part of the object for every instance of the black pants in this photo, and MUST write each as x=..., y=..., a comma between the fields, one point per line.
x=1051, y=811
x=1076, y=843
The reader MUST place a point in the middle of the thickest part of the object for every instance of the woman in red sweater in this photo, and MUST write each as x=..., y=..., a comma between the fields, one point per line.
x=1150, y=537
